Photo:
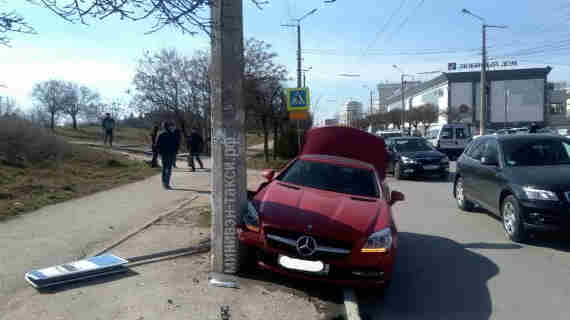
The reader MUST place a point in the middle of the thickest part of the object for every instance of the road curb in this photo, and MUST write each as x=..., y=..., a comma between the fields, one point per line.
x=351, y=304
x=144, y=226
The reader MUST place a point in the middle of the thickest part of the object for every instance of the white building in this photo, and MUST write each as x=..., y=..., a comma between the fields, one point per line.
x=350, y=113
x=515, y=97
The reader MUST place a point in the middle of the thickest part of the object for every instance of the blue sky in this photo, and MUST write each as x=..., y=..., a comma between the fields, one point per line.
x=364, y=37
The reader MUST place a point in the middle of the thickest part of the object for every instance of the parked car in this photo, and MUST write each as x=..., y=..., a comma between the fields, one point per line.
x=390, y=133
x=450, y=139
x=524, y=179
x=414, y=156
x=327, y=216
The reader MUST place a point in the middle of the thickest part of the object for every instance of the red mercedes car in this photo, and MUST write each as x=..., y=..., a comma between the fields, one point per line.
x=327, y=215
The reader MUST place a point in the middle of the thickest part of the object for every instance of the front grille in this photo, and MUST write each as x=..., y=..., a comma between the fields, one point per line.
x=429, y=160
x=291, y=249
x=294, y=235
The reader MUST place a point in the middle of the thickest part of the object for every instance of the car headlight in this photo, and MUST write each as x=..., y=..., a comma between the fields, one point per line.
x=407, y=160
x=444, y=160
x=537, y=194
x=251, y=218
x=379, y=241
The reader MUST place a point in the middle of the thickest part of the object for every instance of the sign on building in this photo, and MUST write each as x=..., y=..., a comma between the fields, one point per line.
x=453, y=66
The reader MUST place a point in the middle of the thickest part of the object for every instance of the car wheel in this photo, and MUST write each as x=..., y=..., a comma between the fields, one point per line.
x=462, y=202
x=512, y=221
x=397, y=171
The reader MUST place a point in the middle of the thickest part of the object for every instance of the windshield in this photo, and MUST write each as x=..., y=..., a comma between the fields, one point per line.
x=536, y=153
x=411, y=145
x=331, y=177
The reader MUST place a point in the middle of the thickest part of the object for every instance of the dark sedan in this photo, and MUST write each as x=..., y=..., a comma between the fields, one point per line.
x=414, y=156
x=524, y=179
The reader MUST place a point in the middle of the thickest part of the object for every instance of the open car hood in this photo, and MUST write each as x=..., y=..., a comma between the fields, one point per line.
x=348, y=143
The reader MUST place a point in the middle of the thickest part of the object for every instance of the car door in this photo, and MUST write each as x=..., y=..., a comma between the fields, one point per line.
x=468, y=168
x=491, y=177
x=461, y=137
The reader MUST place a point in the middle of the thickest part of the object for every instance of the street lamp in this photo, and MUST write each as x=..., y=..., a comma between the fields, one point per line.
x=298, y=26
x=299, y=70
x=402, y=92
x=483, y=66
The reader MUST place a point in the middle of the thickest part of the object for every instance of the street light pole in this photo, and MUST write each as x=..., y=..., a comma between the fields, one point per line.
x=299, y=70
x=483, y=67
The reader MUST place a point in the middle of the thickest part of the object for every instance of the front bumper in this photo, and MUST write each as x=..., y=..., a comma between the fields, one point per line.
x=418, y=169
x=340, y=270
x=546, y=215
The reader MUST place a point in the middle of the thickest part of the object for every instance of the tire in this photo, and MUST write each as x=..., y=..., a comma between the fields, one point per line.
x=462, y=202
x=512, y=219
x=397, y=171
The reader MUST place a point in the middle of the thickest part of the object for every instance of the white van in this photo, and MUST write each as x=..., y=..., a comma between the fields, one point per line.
x=450, y=139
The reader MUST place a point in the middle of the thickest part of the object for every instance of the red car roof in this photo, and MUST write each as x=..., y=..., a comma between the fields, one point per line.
x=349, y=143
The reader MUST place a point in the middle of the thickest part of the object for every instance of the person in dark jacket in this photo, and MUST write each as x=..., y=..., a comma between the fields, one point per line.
x=177, y=135
x=166, y=146
x=153, y=138
x=108, y=128
x=195, y=142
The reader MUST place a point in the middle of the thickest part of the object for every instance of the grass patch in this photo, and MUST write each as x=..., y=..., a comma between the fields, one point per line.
x=84, y=171
x=258, y=162
x=253, y=138
x=92, y=133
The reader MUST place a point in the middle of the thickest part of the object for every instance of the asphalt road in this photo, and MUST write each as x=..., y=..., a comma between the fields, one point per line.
x=456, y=265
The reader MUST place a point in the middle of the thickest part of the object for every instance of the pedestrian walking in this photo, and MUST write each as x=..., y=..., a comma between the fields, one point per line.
x=166, y=146
x=196, y=143
x=108, y=127
x=154, y=138
x=177, y=135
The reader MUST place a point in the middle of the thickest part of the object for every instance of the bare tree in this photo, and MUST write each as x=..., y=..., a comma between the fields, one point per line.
x=428, y=114
x=164, y=82
x=188, y=16
x=52, y=95
x=262, y=85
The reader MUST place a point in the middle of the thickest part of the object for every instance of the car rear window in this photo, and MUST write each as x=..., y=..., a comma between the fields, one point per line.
x=446, y=133
x=544, y=152
x=332, y=177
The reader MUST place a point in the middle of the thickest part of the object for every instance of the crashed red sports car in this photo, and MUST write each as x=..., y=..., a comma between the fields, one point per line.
x=327, y=215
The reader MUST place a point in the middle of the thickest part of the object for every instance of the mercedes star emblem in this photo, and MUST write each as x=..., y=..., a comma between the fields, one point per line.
x=306, y=246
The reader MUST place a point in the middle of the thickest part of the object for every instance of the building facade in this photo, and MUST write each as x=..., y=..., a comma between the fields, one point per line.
x=515, y=97
x=350, y=113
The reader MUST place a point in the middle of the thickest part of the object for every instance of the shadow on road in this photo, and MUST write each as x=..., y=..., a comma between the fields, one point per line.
x=554, y=240
x=436, y=278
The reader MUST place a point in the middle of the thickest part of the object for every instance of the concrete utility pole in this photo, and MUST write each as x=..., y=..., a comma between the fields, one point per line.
x=229, y=193
x=483, y=68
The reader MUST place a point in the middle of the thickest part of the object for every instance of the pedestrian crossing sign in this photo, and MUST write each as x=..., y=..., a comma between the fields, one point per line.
x=298, y=99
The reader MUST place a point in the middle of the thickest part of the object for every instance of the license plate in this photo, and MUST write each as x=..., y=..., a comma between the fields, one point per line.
x=302, y=265
x=431, y=167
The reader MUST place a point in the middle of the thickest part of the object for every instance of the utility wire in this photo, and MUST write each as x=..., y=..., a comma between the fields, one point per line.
x=400, y=27
x=384, y=27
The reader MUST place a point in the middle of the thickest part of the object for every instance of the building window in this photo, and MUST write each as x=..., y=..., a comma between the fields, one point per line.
x=557, y=108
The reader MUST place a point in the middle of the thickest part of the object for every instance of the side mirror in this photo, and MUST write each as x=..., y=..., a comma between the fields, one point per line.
x=489, y=161
x=396, y=196
x=268, y=174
